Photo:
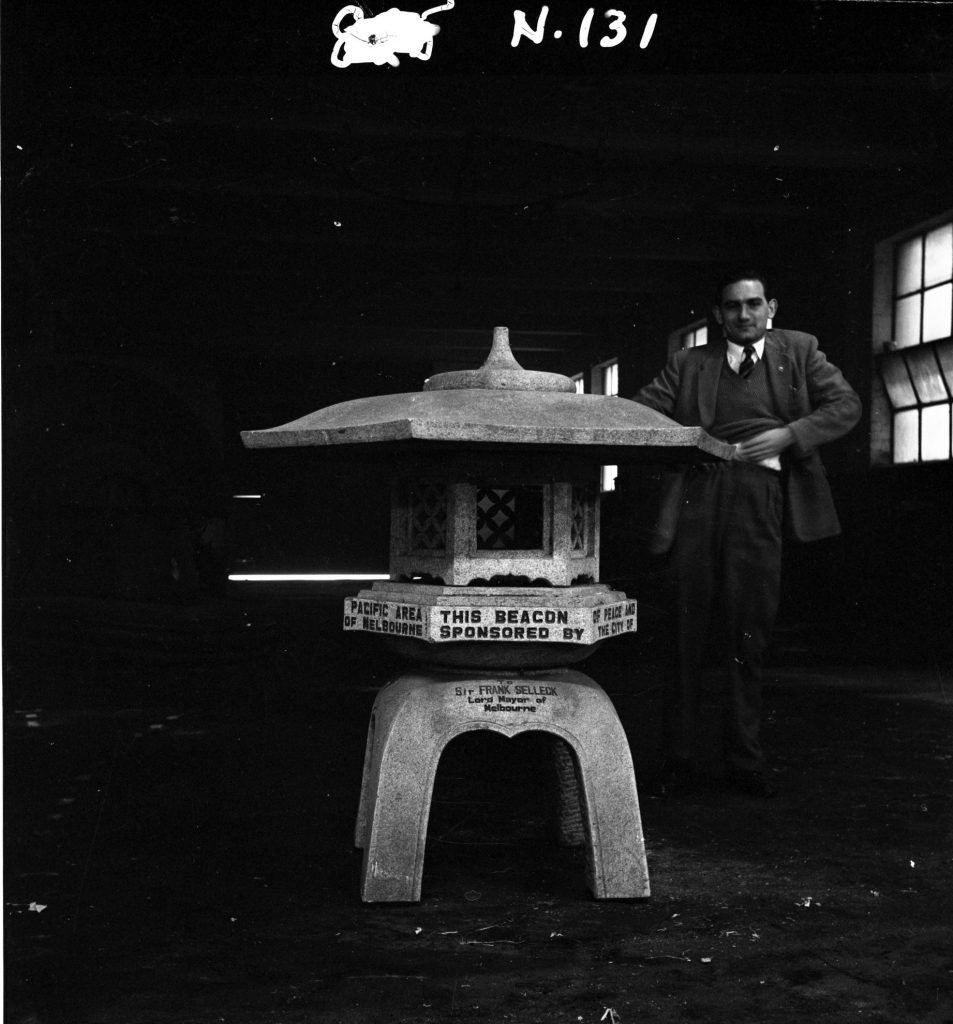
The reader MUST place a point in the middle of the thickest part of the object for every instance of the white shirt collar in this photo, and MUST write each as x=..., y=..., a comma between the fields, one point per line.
x=736, y=353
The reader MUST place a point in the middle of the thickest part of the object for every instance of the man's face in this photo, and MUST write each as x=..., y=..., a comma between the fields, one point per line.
x=744, y=312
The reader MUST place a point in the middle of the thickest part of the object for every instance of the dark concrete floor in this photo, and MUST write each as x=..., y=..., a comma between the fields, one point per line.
x=179, y=851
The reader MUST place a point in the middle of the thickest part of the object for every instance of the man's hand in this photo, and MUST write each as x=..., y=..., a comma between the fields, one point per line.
x=764, y=446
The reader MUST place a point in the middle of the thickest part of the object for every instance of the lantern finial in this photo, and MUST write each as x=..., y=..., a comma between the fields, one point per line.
x=500, y=372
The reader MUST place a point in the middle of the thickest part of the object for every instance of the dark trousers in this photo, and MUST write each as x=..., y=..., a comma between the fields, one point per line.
x=724, y=574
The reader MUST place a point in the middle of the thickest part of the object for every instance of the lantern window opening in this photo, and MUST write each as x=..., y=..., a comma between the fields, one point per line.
x=581, y=522
x=513, y=518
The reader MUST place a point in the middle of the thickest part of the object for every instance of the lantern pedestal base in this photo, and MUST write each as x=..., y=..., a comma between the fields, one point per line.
x=417, y=715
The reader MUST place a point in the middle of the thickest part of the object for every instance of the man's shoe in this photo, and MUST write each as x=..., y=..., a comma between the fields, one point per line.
x=752, y=783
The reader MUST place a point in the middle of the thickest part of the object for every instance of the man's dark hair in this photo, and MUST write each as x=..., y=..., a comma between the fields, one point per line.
x=733, y=274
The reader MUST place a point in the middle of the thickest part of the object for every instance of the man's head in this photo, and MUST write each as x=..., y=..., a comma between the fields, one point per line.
x=742, y=306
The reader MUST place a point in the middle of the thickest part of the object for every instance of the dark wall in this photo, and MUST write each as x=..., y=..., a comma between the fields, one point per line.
x=114, y=476
x=120, y=473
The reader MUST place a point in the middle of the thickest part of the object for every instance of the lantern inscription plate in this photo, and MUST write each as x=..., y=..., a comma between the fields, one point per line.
x=513, y=697
x=446, y=624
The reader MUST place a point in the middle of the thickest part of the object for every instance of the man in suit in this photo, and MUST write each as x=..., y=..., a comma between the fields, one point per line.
x=775, y=397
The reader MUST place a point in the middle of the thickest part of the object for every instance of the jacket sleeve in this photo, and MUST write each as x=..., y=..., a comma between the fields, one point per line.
x=662, y=393
x=835, y=406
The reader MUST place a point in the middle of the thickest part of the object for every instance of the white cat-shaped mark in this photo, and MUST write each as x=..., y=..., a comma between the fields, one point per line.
x=378, y=40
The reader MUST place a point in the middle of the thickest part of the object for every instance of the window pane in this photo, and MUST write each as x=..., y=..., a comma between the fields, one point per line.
x=925, y=371
x=938, y=265
x=610, y=379
x=936, y=432
x=906, y=441
x=944, y=353
x=609, y=474
x=907, y=330
x=937, y=310
x=692, y=339
x=909, y=261
x=897, y=381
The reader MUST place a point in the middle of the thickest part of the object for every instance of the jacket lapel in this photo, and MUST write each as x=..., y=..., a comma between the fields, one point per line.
x=777, y=367
x=708, y=377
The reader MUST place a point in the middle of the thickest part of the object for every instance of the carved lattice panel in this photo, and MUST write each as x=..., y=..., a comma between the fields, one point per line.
x=496, y=524
x=428, y=517
x=509, y=518
x=581, y=500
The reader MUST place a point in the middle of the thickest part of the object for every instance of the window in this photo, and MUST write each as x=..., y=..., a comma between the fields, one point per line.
x=923, y=287
x=605, y=381
x=913, y=323
x=579, y=379
x=694, y=335
x=610, y=378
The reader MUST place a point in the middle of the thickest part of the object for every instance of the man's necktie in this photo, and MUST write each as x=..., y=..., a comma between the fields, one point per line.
x=747, y=364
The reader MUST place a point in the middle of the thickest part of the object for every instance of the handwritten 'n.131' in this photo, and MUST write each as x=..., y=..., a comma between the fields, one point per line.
x=617, y=30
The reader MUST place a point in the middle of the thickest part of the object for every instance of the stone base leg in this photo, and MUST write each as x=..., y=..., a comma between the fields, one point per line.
x=415, y=717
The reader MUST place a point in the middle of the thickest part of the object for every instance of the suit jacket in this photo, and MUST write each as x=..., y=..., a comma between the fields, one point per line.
x=810, y=395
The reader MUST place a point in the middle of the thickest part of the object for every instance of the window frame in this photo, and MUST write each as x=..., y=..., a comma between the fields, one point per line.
x=691, y=334
x=602, y=373
x=909, y=378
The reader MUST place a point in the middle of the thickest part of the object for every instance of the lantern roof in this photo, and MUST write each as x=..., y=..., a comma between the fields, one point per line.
x=498, y=404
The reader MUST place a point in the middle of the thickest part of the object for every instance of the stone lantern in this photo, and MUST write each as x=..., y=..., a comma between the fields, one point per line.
x=493, y=591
